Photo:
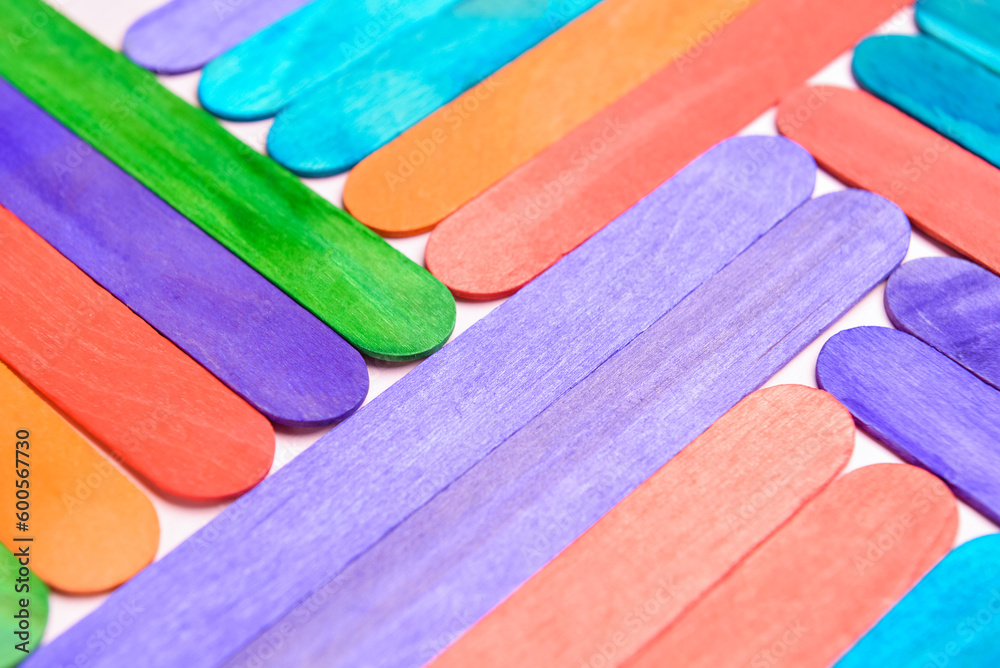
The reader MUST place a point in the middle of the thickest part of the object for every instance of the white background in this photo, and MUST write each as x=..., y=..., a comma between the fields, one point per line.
x=108, y=21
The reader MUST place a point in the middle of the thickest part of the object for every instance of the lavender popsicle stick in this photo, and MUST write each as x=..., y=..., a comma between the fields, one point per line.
x=301, y=526
x=925, y=407
x=953, y=305
x=254, y=338
x=465, y=551
x=183, y=35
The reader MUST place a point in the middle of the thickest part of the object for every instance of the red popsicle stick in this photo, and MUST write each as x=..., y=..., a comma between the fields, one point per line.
x=948, y=193
x=524, y=223
x=147, y=402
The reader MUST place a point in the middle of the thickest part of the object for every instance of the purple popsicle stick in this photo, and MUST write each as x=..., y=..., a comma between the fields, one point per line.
x=234, y=322
x=301, y=526
x=464, y=552
x=183, y=35
x=953, y=305
x=922, y=405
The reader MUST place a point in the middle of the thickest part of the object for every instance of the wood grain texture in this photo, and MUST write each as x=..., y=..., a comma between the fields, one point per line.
x=923, y=406
x=814, y=587
x=938, y=86
x=951, y=618
x=338, y=122
x=382, y=303
x=92, y=529
x=430, y=427
x=970, y=26
x=431, y=170
x=475, y=542
x=38, y=608
x=152, y=406
x=183, y=35
x=660, y=549
x=527, y=221
x=869, y=144
x=234, y=322
x=267, y=71
x=952, y=305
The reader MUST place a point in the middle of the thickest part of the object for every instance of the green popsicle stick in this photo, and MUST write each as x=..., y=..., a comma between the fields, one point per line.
x=12, y=591
x=381, y=302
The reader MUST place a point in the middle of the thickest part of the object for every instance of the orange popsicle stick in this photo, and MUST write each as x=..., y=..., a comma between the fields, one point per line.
x=813, y=588
x=438, y=165
x=950, y=194
x=677, y=534
x=92, y=529
x=151, y=405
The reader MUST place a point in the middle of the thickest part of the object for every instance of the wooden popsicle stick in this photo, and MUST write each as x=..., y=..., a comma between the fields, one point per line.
x=869, y=144
x=475, y=542
x=952, y=305
x=938, y=86
x=91, y=528
x=949, y=619
x=409, y=185
x=922, y=405
x=262, y=74
x=971, y=26
x=815, y=586
x=254, y=338
x=336, y=123
x=660, y=549
x=385, y=305
x=521, y=225
x=15, y=586
x=152, y=406
x=183, y=35
x=416, y=438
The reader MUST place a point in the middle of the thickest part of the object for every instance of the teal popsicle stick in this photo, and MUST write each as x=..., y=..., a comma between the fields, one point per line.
x=937, y=85
x=951, y=618
x=263, y=73
x=971, y=26
x=338, y=122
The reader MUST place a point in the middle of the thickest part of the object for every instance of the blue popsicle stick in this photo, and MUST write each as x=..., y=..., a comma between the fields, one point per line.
x=951, y=619
x=937, y=85
x=301, y=526
x=472, y=545
x=253, y=337
x=336, y=123
x=953, y=305
x=264, y=73
x=971, y=26
x=925, y=407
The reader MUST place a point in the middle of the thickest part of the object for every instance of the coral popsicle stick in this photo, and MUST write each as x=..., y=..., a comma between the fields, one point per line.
x=183, y=35
x=253, y=337
x=814, y=587
x=410, y=184
x=618, y=585
x=869, y=144
x=416, y=438
x=382, y=303
x=475, y=542
x=952, y=305
x=925, y=407
x=526, y=222
x=92, y=529
x=949, y=619
x=151, y=405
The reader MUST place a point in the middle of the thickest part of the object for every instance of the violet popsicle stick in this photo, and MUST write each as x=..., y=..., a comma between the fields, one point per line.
x=953, y=305
x=464, y=552
x=279, y=357
x=923, y=406
x=183, y=35
x=276, y=545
